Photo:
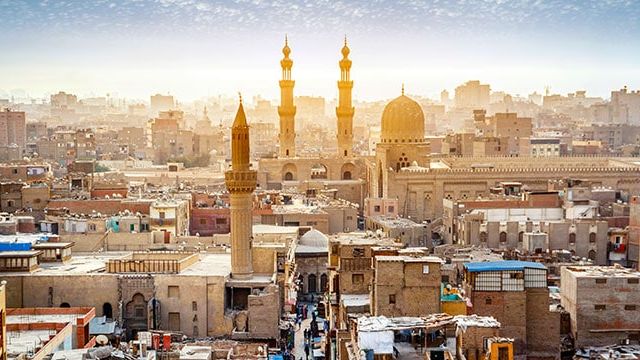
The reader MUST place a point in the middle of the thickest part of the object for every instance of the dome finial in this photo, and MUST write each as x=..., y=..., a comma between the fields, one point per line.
x=402, y=89
x=286, y=40
x=240, y=96
x=345, y=39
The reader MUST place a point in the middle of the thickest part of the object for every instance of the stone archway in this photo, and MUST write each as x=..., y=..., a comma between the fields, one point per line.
x=289, y=172
x=136, y=314
x=319, y=171
x=347, y=172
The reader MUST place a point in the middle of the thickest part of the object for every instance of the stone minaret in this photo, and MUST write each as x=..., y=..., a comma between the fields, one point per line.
x=287, y=110
x=344, y=111
x=241, y=181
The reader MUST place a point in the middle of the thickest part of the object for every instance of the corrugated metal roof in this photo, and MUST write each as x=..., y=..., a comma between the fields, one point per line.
x=502, y=265
x=100, y=326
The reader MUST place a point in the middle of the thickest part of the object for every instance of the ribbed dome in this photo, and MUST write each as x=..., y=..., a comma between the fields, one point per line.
x=314, y=238
x=402, y=121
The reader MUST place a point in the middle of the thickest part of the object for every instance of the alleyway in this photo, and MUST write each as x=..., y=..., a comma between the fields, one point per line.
x=298, y=349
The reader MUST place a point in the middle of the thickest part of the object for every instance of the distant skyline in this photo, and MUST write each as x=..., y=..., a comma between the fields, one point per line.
x=193, y=49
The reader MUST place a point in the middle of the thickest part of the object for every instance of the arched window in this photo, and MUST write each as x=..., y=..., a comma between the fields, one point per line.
x=483, y=237
x=324, y=283
x=572, y=238
x=345, y=153
x=503, y=237
x=287, y=152
x=592, y=237
x=346, y=175
x=107, y=310
x=312, y=283
x=520, y=236
x=65, y=305
x=592, y=255
x=288, y=176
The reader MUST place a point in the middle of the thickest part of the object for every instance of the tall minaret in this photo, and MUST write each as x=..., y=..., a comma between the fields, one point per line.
x=345, y=110
x=287, y=110
x=241, y=181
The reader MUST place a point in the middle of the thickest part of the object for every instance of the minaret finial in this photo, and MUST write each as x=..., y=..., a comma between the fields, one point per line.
x=240, y=96
x=286, y=39
x=403, y=89
x=345, y=39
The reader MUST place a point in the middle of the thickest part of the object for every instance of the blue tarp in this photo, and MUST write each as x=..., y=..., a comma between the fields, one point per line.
x=502, y=265
x=276, y=357
x=15, y=246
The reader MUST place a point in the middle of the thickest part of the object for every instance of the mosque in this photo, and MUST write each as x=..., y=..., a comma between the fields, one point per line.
x=343, y=170
x=403, y=172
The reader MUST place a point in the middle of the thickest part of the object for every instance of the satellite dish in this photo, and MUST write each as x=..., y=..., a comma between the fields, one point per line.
x=102, y=340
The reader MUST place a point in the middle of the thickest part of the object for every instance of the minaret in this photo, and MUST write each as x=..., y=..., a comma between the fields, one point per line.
x=241, y=181
x=287, y=110
x=345, y=110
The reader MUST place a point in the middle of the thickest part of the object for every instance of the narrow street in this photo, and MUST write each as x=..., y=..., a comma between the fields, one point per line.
x=298, y=349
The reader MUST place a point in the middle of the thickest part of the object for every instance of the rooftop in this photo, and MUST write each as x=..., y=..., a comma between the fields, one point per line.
x=504, y=265
x=602, y=271
x=362, y=238
x=405, y=258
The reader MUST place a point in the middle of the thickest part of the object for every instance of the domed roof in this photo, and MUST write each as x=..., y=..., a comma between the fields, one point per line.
x=402, y=121
x=314, y=238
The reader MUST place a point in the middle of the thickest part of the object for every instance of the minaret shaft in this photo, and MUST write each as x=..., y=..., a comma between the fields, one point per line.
x=345, y=110
x=241, y=181
x=287, y=110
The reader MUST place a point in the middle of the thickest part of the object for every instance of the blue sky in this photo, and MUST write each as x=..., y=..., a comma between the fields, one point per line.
x=194, y=48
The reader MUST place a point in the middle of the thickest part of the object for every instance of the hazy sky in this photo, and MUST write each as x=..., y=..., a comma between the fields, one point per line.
x=194, y=48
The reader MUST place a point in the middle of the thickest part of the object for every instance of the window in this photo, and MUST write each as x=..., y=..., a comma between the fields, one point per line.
x=92, y=227
x=503, y=237
x=174, y=321
x=376, y=208
x=601, y=281
x=425, y=269
x=357, y=252
x=483, y=236
x=194, y=306
x=392, y=299
x=592, y=237
x=312, y=283
x=632, y=281
x=600, y=307
x=391, y=209
x=517, y=275
x=14, y=171
x=161, y=215
x=221, y=221
x=138, y=311
x=357, y=279
x=572, y=239
x=487, y=301
x=203, y=221
x=174, y=291
x=195, y=332
x=630, y=307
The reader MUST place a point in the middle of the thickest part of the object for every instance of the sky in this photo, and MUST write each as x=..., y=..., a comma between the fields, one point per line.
x=197, y=48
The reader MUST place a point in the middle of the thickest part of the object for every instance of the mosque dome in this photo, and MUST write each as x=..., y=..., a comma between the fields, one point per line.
x=402, y=121
x=314, y=239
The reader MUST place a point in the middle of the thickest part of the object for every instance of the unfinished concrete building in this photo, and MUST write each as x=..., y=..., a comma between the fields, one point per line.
x=602, y=303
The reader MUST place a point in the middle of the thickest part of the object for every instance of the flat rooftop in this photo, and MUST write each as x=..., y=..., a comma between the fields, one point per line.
x=362, y=238
x=82, y=264
x=405, y=258
x=602, y=271
x=395, y=222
